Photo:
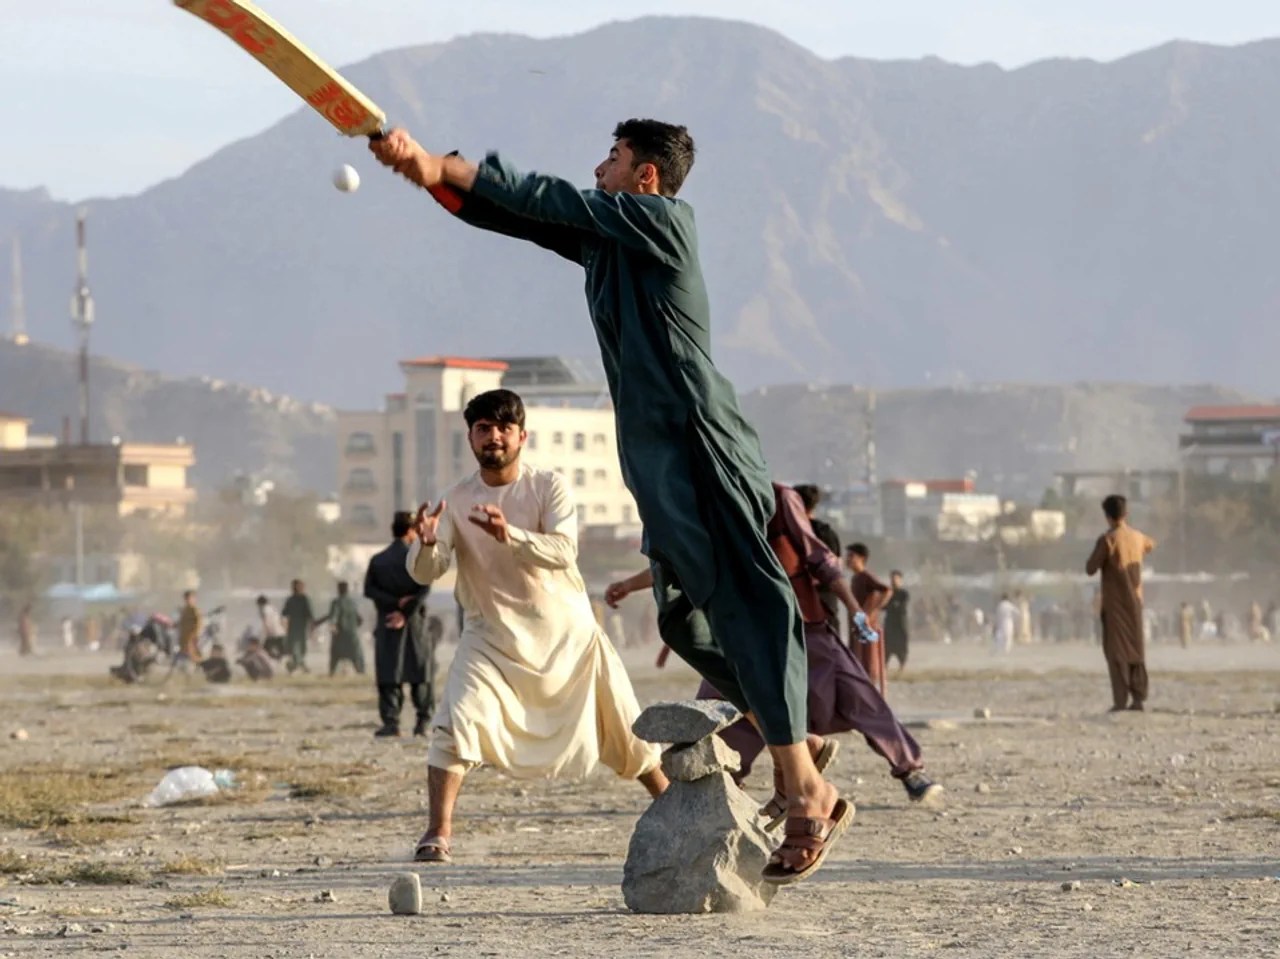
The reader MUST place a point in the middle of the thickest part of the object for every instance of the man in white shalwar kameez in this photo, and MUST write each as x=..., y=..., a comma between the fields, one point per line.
x=536, y=689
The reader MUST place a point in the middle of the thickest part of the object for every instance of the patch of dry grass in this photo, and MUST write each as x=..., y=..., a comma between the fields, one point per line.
x=333, y=781
x=45, y=797
x=1272, y=814
x=213, y=898
x=92, y=830
x=161, y=728
x=37, y=871
x=187, y=865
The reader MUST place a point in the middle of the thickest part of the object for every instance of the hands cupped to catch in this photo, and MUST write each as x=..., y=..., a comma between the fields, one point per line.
x=427, y=522
x=405, y=156
x=490, y=518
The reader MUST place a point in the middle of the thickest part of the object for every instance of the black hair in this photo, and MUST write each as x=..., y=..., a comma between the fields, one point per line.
x=810, y=495
x=859, y=549
x=1116, y=507
x=895, y=572
x=401, y=523
x=343, y=586
x=497, y=406
x=667, y=146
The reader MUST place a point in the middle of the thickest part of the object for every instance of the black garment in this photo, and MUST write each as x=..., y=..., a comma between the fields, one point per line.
x=405, y=655
x=831, y=540
x=391, y=701
x=894, y=617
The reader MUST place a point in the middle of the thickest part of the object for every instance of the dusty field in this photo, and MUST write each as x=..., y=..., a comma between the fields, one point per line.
x=1170, y=822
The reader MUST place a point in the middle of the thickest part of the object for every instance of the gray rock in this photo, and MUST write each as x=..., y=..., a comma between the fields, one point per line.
x=1072, y=886
x=698, y=848
x=982, y=712
x=684, y=722
x=405, y=895
x=326, y=895
x=704, y=758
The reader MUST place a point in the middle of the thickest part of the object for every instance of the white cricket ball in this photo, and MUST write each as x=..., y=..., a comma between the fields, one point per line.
x=346, y=178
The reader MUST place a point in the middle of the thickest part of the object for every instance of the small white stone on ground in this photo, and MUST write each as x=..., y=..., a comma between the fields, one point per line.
x=1071, y=886
x=982, y=788
x=405, y=895
x=982, y=712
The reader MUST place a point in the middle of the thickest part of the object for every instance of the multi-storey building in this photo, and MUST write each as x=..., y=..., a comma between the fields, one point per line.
x=1240, y=442
x=415, y=447
x=129, y=477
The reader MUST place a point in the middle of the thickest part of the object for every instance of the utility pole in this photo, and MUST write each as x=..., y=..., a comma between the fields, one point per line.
x=869, y=432
x=17, y=302
x=82, y=320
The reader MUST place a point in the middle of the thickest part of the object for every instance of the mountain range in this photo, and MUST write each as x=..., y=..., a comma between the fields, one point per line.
x=892, y=224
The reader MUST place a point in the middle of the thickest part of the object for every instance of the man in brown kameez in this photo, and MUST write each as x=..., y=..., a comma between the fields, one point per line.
x=1118, y=555
x=872, y=594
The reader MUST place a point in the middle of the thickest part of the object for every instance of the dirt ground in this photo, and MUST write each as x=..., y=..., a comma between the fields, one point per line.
x=1168, y=820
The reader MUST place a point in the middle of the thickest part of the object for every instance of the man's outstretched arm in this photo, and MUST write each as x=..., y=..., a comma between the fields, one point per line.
x=642, y=223
x=398, y=151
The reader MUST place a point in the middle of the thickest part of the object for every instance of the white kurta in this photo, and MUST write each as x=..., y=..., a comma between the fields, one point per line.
x=536, y=688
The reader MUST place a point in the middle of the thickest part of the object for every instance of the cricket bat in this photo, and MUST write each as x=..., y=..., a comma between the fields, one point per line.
x=322, y=87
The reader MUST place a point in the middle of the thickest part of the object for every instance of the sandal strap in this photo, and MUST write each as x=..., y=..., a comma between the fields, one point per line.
x=806, y=826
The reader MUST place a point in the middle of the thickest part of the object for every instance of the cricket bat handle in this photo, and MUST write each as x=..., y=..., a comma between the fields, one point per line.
x=446, y=196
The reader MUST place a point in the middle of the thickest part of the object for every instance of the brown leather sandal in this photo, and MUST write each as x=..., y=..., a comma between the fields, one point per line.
x=432, y=849
x=805, y=845
x=775, y=810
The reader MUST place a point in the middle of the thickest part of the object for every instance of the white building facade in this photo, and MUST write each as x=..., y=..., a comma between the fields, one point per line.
x=416, y=447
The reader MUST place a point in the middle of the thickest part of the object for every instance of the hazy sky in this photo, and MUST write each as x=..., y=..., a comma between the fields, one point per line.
x=103, y=97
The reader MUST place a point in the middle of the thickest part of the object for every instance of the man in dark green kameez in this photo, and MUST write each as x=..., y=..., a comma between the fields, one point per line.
x=345, y=617
x=691, y=461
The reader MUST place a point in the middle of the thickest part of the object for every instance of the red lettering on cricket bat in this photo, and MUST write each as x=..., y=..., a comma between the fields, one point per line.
x=238, y=26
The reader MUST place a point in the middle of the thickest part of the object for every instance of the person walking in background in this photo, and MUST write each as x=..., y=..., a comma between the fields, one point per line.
x=1004, y=625
x=1118, y=557
x=896, y=635
x=1186, y=623
x=299, y=618
x=26, y=631
x=401, y=654
x=1026, y=634
x=345, y=619
x=190, y=622
x=871, y=594
x=273, y=640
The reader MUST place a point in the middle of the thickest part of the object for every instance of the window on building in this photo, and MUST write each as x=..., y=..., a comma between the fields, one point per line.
x=135, y=475
x=362, y=515
x=459, y=444
x=360, y=443
x=599, y=440
x=579, y=441
x=360, y=480
x=532, y=441
x=397, y=467
x=599, y=509
x=582, y=513
x=599, y=476
x=579, y=477
x=557, y=439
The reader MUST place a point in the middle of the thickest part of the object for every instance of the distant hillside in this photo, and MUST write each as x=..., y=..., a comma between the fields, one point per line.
x=885, y=223
x=234, y=428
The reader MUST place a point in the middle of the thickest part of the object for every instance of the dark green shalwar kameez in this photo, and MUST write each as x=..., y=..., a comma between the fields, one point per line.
x=691, y=461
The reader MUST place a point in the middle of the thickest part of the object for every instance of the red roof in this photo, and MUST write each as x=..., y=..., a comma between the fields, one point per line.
x=1201, y=414
x=456, y=363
